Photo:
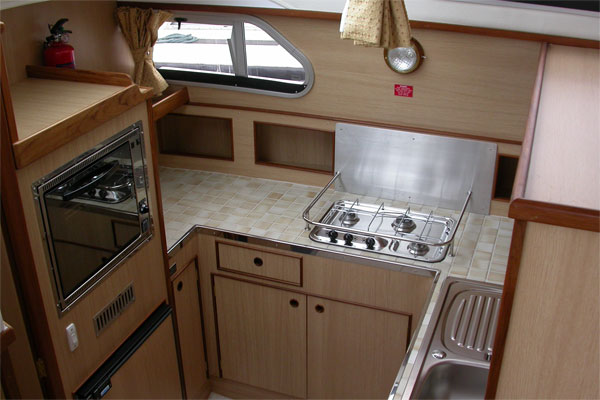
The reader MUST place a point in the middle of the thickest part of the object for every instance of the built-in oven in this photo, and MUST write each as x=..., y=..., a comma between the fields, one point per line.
x=94, y=213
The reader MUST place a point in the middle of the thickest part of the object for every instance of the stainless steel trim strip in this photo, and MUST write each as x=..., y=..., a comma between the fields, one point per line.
x=301, y=249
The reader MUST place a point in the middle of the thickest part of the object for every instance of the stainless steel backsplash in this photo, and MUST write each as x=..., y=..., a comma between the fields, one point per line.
x=418, y=168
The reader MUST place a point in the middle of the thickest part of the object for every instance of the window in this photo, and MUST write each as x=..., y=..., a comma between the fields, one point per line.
x=231, y=51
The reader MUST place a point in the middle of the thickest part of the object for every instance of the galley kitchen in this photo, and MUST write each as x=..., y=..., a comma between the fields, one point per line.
x=393, y=199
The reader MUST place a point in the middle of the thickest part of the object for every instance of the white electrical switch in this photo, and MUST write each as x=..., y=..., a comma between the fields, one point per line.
x=72, y=338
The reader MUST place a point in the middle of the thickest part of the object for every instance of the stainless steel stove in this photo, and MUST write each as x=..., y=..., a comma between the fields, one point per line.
x=107, y=182
x=399, y=232
x=378, y=228
x=411, y=167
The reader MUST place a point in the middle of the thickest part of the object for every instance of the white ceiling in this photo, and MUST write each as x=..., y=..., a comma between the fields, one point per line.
x=478, y=13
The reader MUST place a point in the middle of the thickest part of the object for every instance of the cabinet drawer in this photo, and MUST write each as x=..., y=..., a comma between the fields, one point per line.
x=263, y=264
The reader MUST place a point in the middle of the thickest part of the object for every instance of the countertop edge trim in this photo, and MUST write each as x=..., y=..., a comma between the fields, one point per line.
x=302, y=249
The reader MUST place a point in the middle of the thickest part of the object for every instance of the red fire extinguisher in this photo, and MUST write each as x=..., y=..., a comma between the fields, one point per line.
x=57, y=53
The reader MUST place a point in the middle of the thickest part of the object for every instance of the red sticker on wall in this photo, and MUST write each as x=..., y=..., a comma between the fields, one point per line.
x=403, y=90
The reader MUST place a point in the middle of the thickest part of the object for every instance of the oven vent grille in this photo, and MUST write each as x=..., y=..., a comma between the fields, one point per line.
x=115, y=308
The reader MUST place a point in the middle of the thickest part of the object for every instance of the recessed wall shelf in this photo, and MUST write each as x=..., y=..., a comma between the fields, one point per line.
x=506, y=168
x=195, y=136
x=294, y=147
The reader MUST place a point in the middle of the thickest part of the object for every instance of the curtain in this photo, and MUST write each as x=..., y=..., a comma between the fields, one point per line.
x=140, y=28
x=376, y=23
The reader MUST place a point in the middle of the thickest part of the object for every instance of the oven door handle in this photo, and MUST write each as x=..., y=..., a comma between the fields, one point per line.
x=91, y=179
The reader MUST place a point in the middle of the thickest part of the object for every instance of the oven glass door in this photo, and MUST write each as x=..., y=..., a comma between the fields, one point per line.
x=95, y=213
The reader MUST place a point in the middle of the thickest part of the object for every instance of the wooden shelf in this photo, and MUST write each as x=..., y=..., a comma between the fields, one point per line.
x=53, y=106
x=169, y=101
x=195, y=136
x=293, y=147
x=506, y=169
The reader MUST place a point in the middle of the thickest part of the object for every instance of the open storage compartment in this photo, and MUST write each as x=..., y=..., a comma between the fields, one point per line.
x=195, y=136
x=294, y=147
x=506, y=168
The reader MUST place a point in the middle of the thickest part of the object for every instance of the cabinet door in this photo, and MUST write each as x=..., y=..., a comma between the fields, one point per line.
x=189, y=326
x=353, y=351
x=262, y=336
x=152, y=371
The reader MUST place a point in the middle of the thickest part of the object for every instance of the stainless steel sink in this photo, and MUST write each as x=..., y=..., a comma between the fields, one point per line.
x=454, y=381
x=453, y=361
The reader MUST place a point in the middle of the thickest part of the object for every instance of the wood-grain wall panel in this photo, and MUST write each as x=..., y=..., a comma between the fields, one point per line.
x=468, y=84
x=551, y=348
x=97, y=40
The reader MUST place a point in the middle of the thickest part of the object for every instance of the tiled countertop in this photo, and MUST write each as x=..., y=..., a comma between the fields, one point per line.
x=273, y=209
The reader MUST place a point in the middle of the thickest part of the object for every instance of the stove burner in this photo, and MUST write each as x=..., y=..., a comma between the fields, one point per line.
x=418, y=249
x=350, y=218
x=404, y=224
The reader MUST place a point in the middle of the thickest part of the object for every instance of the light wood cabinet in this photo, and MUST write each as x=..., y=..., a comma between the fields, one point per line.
x=262, y=335
x=189, y=326
x=307, y=326
x=151, y=372
x=353, y=351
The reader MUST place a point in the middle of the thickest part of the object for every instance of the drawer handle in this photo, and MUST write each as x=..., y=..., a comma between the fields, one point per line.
x=180, y=286
x=319, y=308
x=258, y=261
x=294, y=303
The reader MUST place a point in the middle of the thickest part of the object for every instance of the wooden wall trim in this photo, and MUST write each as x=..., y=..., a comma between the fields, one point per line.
x=79, y=75
x=473, y=30
x=555, y=214
x=357, y=122
x=170, y=102
x=7, y=100
x=534, y=37
x=527, y=145
x=508, y=294
x=163, y=234
x=280, y=12
x=44, y=142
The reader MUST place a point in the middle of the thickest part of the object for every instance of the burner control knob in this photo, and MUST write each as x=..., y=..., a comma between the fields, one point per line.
x=143, y=207
x=348, y=239
x=333, y=236
x=103, y=193
x=370, y=243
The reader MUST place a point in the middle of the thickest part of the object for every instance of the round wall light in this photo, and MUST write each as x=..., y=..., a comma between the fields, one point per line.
x=404, y=59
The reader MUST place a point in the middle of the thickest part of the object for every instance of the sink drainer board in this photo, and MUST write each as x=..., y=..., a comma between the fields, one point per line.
x=471, y=323
x=453, y=361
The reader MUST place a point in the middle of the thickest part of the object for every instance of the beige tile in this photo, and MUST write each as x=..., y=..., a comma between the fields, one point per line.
x=262, y=225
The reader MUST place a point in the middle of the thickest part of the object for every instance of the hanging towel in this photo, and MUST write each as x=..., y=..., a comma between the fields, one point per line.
x=376, y=23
